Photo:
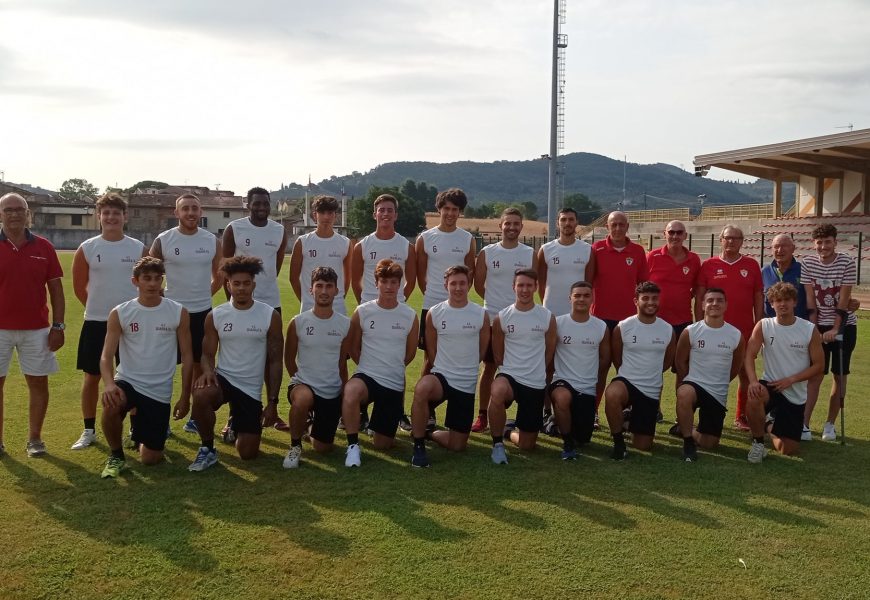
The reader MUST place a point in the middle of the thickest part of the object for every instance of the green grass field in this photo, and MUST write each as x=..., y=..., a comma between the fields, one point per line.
x=649, y=527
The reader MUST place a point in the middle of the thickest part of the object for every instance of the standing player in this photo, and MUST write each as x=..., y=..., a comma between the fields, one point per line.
x=191, y=256
x=101, y=281
x=456, y=339
x=316, y=358
x=493, y=281
x=828, y=278
x=523, y=343
x=147, y=331
x=383, y=341
x=323, y=247
x=740, y=277
x=561, y=262
x=642, y=347
x=251, y=344
x=258, y=236
x=28, y=267
x=384, y=243
x=581, y=361
x=792, y=352
x=709, y=355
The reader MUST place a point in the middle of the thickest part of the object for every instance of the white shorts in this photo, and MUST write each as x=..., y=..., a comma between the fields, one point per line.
x=34, y=357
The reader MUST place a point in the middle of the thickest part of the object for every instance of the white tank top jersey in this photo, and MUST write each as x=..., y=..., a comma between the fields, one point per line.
x=148, y=347
x=188, y=260
x=566, y=265
x=443, y=250
x=374, y=250
x=710, y=356
x=318, y=353
x=322, y=252
x=501, y=263
x=242, y=351
x=458, y=356
x=262, y=242
x=525, y=343
x=643, y=353
x=110, y=268
x=786, y=352
x=384, y=335
x=576, y=359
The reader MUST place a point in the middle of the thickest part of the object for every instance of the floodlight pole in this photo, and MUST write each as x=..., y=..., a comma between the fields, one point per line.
x=558, y=41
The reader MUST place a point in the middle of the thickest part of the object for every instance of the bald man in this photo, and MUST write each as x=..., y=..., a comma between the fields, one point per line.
x=620, y=266
x=783, y=268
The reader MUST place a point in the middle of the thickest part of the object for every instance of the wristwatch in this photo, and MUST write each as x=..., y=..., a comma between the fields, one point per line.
x=58, y=326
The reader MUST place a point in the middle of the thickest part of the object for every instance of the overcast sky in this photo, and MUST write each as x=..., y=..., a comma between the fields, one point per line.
x=264, y=92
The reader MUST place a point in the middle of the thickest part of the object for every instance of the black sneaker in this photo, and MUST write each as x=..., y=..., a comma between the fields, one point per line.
x=675, y=430
x=420, y=460
x=660, y=418
x=690, y=454
x=550, y=428
x=619, y=452
x=405, y=423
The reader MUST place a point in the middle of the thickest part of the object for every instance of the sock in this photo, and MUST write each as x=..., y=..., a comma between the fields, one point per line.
x=688, y=443
x=419, y=443
x=481, y=413
x=497, y=439
x=91, y=424
x=352, y=438
x=119, y=453
x=759, y=440
x=209, y=443
x=567, y=441
x=296, y=442
x=619, y=439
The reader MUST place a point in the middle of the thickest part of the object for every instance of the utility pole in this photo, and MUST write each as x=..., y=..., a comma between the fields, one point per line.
x=557, y=113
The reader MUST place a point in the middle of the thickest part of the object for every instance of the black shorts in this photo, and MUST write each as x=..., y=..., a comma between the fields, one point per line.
x=530, y=405
x=832, y=350
x=91, y=342
x=197, y=332
x=711, y=414
x=247, y=413
x=582, y=411
x=326, y=412
x=788, y=418
x=644, y=410
x=421, y=340
x=152, y=417
x=460, y=406
x=678, y=331
x=388, y=406
x=611, y=324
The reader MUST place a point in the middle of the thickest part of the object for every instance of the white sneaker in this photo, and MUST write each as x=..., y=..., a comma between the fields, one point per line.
x=829, y=433
x=291, y=461
x=499, y=454
x=205, y=458
x=88, y=437
x=757, y=452
x=806, y=434
x=352, y=458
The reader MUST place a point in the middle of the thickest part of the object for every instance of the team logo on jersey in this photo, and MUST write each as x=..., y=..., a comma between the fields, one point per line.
x=128, y=259
x=254, y=329
x=685, y=270
x=334, y=333
x=398, y=326
x=720, y=272
x=629, y=260
x=744, y=272
x=468, y=325
x=163, y=327
x=335, y=254
x=201, y=250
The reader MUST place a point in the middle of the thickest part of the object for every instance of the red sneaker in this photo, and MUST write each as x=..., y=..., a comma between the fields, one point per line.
x=741, y=424
x=479, y=424
x=280, y=425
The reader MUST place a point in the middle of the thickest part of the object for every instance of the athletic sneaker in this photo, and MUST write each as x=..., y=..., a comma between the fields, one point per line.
x=168, y=432
x=499, y=454
x=129, y=443
x=675, y=430
x=690, y=454
x=352, y=458
x=660, y=418
x=480, y=423
x=509, y=426
x=757, y=452
x=88, y=437
x=569, y=454
x=364, y=419
x=291, y=461
x=405, y=423
x=741, y=424
x=35, y=448
x=228, y=434
x=829, y=433
x=596, y=426
x=190, y=426
x=550, y=428
x=205, y=458
x=431, y=425
x=619, y=452
x=281, y=425
x=420, y=460
x=113, y=467
x=806, y=434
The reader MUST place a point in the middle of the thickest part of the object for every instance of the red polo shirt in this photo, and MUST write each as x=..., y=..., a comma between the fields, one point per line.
x=677, y=282
x=23, y=274
x=740, y=280
x=617, y=273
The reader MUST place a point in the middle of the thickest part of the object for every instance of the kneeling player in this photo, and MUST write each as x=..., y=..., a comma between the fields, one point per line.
x=457, y=336
x=643, y=348
x=145, y=332
x=709, y=355
x=581, y=361
x=792, y=351
x=383, y=341
x=249, y=335
x=316, y=358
